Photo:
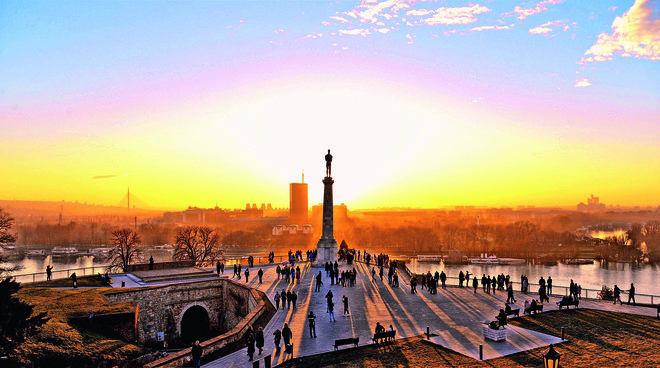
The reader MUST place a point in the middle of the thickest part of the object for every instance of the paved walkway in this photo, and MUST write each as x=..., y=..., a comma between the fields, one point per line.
x=455, y=314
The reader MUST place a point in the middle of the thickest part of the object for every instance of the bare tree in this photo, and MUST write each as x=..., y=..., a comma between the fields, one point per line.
x=6, y=238
x=126, y=249
x=197, y=243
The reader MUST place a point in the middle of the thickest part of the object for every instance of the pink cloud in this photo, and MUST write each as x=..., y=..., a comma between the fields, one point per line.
x=457, y=15
x=547, y=28
x=540, y=7
x=634, y=34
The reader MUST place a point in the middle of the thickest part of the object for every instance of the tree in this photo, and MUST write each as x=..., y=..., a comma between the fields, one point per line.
x=197, y=243
x=15, y=322
x=6, y=237
x=126, y=249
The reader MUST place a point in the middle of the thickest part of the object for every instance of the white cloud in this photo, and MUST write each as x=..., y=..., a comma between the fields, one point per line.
x=540, y=7
x=582, y=82
x=634, y=34
x=547, y=28
x=489, y=28
x=419, y=12
x=457, y=15
x=340, y=19
x=355, y=32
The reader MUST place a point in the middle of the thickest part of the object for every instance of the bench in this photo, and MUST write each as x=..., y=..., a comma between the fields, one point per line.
x=513, y=312
x=387, y=336
x=567, y=303
x=535, y=309
x=349, y=341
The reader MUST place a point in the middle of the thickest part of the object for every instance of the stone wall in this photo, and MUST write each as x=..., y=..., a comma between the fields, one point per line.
x=161, y=308
x=257, y=308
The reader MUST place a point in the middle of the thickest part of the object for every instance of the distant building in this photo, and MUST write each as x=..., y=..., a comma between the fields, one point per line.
x=593, y=205
x=298, y=206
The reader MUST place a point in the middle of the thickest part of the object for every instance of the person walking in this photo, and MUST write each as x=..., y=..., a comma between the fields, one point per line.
x=239, y=271
x=328, y=297
x=331, y=311
x=509, y=297
x=345, y=301
x=287, y=335
x=277, y=337
x=475, y=284
x=283, y=295
x=217, y=268
x=260, y=274
x=288, y=299
x=247, y=275
x=631, y=294
x=278, y=270
x=259, y=339
x=311, y=318
x=413, y=285
x=250, y=339
x=74, y=278
x=294, y=298
x=617, y=295
x=197, y=354
x=235, y=270
x=319, y=281
x=49, y=272
x=277, y=298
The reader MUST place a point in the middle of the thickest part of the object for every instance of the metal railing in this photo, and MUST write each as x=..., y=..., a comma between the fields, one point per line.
x=557, y=290
x=59, y=274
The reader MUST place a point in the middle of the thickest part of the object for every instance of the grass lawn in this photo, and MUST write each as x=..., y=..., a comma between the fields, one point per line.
x=594, y=339
x=62, y=344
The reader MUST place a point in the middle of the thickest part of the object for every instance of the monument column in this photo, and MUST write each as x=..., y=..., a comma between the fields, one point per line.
x=326, y=248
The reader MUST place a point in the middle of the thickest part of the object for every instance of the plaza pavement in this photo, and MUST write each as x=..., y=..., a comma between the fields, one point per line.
x=455, y=314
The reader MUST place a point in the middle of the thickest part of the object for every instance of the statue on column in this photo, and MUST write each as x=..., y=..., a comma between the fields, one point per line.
x=328, y=164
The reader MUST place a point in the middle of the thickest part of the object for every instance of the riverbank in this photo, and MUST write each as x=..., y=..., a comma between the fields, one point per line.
x=593, y=339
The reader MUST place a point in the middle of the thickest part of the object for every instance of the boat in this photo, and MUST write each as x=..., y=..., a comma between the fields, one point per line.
x=59, y=252
x=579, y=261
x=485, y=259
x=100, y=252
x=164, y=247
x=511, y=261
x=429, y=258
x=37, y=253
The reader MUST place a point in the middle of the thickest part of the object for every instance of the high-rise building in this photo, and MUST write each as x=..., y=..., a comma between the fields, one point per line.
x=298, y=207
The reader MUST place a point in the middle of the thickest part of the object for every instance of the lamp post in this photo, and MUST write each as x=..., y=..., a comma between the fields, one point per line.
x=551, y=358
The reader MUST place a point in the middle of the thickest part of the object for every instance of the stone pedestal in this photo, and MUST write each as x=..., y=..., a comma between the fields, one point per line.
x=327, y=248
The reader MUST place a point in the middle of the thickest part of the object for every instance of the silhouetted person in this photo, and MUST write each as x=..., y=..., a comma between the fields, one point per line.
x=49, y=272
x=631, y=294
x=151, y=262
x=74, y=278
x=197, y=354
x=312, y=324
x=328, y=164
x=617, y=294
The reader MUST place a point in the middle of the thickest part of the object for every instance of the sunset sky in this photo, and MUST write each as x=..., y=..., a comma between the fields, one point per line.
x=423, y=103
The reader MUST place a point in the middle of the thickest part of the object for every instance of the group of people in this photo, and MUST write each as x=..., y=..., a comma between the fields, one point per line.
x=631, y=295
x=287, y=297
x=288, y=273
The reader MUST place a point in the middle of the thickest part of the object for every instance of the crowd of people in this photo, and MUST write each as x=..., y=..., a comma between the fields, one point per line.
x=383, y=265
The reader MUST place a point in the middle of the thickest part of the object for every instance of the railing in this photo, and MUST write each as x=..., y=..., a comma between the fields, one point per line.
x=557, y=290
x=60, y=274
x=90, y=271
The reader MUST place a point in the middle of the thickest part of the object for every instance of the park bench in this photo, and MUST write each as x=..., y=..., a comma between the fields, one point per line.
x=513, y=312
x=387, y=336
x=533, y=309
x=567, y=303
x=349, y=341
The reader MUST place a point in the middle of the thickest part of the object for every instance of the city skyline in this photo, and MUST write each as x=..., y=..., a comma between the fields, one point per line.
x=424, y=104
